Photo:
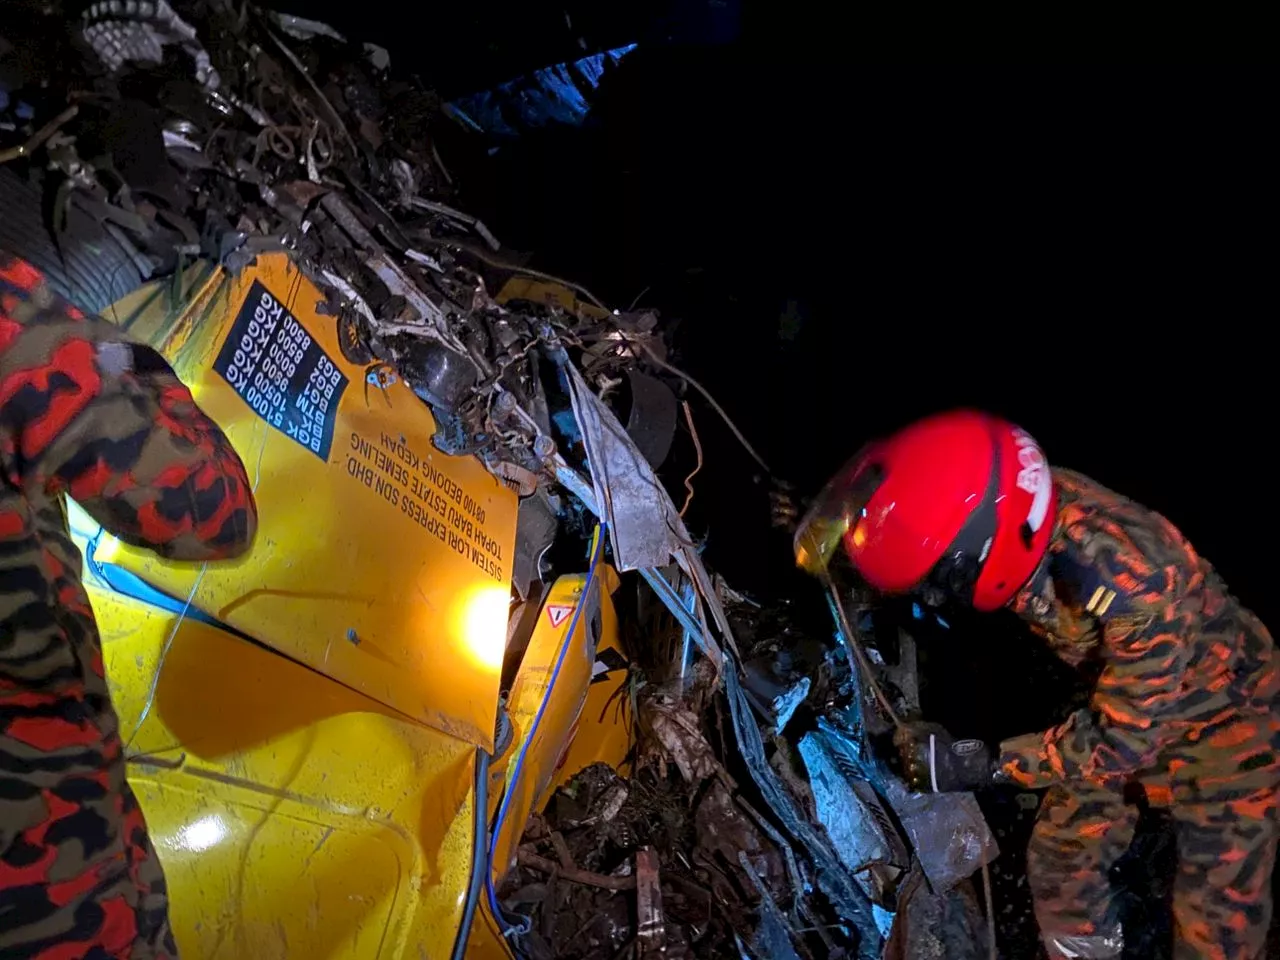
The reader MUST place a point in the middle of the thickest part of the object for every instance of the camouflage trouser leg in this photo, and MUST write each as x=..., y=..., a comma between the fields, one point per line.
x=1222, y=892
x=154, y=938
x=83, y=881
x=1081, y=831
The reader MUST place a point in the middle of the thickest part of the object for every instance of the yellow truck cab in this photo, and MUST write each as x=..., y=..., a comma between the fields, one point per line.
x=317, y=731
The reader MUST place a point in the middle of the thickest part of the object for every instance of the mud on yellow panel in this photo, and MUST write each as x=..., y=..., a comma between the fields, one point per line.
x=380, y=561
x=294, y=817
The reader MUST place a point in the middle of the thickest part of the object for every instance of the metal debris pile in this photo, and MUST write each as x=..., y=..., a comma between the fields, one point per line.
x=767, y=822
x=220, y=130
x=622, y=870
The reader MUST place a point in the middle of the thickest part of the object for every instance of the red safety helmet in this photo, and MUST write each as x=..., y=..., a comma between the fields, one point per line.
x=961, y=502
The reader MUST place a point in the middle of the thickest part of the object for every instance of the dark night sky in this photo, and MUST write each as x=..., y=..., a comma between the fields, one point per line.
x=847, y=244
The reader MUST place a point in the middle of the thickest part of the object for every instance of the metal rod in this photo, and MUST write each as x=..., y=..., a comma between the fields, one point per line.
x=854, y=650
x=38, y=138
x=992, y=953
x=573, y=874
x=671, y=600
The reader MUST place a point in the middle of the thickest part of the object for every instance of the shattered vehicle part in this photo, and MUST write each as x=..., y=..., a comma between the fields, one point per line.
x=127, y=31
x=933, y=925
x=948, y=833
x=772, y=936
x=652, y=422
x=662, y=512
x=785, y=703
x=535, y=532
x=775, y=698
x=832, y=877
x=419, y=203
x=650, y=932
x=441, y=376
x=727, y=836
x=626, y=487
x=857, y=827
x=675, y=729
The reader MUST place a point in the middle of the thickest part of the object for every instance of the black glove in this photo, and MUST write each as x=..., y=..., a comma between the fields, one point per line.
x=935, y=762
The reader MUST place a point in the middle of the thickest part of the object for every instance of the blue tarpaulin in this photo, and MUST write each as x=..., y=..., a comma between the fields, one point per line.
x=558, y=94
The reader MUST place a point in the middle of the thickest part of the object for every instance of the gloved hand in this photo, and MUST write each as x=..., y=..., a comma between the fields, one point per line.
x=784, y=512
x=936, y=762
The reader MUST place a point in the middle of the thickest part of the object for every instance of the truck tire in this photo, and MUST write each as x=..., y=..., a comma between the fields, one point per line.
x=94, y=268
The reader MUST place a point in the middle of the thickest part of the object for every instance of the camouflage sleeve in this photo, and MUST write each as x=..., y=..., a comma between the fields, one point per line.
x=86, y=411
x=1127, y=605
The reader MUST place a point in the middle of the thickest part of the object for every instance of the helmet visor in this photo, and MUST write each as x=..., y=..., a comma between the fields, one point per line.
x=836, y=512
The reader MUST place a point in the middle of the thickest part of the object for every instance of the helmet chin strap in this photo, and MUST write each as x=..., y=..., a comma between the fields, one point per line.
x=956, y=573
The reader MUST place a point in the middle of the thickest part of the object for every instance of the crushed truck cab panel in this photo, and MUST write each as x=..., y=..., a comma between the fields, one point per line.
x=576, y=622
x=322, y=803
x=294, y=817
x=380, y=561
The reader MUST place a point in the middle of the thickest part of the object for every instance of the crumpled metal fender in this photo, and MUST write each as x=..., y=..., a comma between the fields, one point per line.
x=832, y=877
x=294, y=816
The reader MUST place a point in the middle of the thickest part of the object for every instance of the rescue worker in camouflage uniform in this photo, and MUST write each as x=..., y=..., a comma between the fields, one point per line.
x=85, y=412
x=963, y=507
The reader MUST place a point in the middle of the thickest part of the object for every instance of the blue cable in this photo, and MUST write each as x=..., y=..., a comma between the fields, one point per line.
x=129, y=584
x=479, y=862
x=516, y=767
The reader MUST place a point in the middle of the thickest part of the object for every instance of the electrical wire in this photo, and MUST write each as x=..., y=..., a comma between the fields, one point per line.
x=173, y=631
x=597, y=548
x=596, y=301
x=697, y=446
x=706, y=394
x=164, y=654
x=854, y=649
x=479, y=857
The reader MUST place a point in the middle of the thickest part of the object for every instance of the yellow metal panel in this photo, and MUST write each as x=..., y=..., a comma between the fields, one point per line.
x=296, y=887
x=549, y=294
x=294, y=817
x=385, y=565
x=564, y=706
x=605, y=732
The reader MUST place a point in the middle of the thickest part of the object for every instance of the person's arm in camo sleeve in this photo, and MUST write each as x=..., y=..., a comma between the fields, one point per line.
x=86, y=411
x=1125, y=604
